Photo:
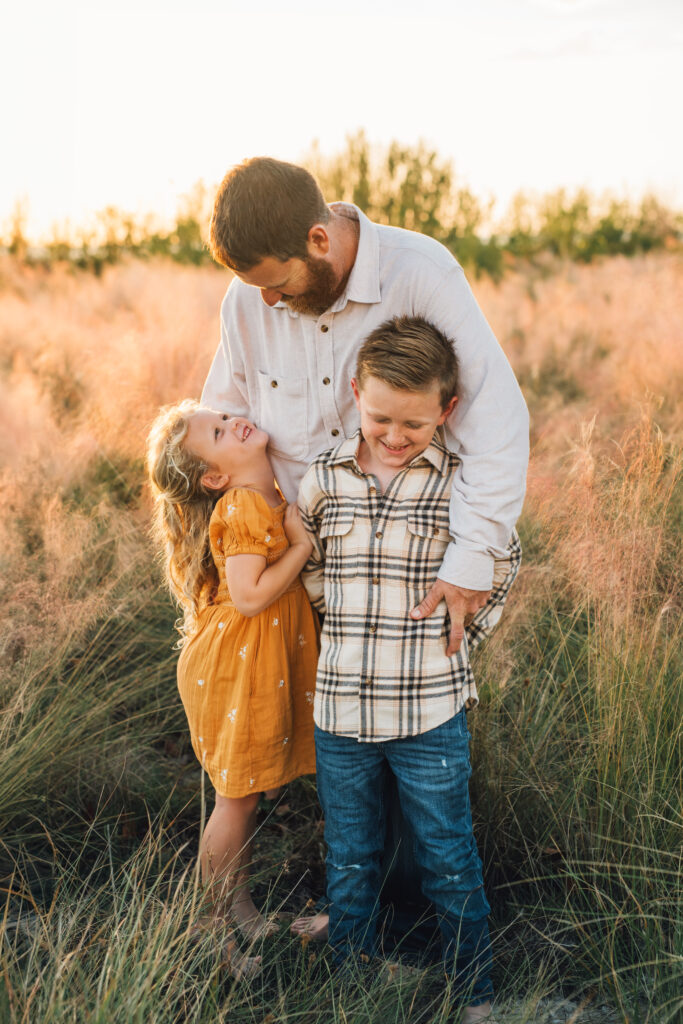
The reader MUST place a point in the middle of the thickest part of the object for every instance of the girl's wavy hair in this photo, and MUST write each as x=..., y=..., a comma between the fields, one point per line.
x=182, y=512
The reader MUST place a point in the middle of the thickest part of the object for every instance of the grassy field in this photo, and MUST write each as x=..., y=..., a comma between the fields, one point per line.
x=577, y=742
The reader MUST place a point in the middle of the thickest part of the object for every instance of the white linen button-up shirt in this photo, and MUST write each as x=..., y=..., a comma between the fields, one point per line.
x=290, y=374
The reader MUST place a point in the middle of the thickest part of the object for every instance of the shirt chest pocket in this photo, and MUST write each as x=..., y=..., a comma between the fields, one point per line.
x=341, y=544
x=283, y=413
x=427, y=537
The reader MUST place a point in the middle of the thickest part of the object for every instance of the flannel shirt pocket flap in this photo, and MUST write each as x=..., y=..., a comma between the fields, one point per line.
x=337, y=523
x=429, y=525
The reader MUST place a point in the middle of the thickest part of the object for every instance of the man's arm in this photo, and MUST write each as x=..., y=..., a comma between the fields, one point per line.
x=489, y=429
x=225, y=387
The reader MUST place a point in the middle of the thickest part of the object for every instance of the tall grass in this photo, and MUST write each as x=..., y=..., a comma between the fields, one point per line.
x=577, y=743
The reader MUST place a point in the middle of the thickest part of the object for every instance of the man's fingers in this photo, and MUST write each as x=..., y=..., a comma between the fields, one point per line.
x=457, y=632
x=428, y=604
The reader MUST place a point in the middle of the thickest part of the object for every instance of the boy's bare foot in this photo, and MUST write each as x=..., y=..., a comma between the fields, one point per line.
x=394, y=972
x=478, y=1014
x=315, y=927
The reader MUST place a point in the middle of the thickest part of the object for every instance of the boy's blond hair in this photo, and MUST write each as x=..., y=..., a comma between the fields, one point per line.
x=410, y=354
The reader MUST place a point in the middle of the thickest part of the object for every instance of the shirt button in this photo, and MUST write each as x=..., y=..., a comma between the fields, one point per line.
x=335, y=432
x=326, y=380
x=373, y=489
x=368, y=682
x=436, y=531
x=375, y=580
x=273, y=383
x=373, y=629
x=324, y=328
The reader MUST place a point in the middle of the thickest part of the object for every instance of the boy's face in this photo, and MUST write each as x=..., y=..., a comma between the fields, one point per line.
x=398, y=425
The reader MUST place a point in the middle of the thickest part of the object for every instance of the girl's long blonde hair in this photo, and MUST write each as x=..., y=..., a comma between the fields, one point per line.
x=182, y=512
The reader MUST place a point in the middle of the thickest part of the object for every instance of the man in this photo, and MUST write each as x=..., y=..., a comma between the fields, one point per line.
x=311, y=282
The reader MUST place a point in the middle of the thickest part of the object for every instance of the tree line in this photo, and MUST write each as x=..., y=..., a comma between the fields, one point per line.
x=408, y=186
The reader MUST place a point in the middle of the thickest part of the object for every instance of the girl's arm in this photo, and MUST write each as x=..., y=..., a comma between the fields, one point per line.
x=253, y=584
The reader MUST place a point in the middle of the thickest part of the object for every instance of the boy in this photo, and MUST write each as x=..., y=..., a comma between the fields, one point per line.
x=388, y=698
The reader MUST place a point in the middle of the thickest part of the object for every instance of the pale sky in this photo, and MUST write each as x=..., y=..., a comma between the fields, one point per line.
x=129, y=104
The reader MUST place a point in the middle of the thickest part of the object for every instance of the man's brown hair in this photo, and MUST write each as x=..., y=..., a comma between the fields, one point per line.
x=264, y=207
x=410, y=354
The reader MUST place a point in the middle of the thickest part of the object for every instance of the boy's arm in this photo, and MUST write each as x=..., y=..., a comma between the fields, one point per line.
x=311, y=506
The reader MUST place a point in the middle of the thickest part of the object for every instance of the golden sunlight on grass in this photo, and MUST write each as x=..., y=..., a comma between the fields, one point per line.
x=576, y=785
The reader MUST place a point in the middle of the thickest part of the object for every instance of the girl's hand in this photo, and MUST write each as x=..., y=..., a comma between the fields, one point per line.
x=295, y=529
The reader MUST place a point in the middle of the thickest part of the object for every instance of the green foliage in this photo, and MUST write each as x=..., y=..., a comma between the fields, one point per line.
x=407, y=186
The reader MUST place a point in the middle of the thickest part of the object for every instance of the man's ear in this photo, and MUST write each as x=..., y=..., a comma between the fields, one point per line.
x=318, y=241
x=447, y=410
x=215, y=481
x=356, y=391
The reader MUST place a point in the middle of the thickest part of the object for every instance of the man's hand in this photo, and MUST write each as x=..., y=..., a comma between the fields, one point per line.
x=462, y=604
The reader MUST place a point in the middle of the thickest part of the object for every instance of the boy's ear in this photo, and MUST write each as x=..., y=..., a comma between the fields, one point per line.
x=215, y=481
x=447, y=410
x=356, y=391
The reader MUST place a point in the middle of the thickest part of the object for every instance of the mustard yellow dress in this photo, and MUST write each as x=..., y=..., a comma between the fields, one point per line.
x=247, y=684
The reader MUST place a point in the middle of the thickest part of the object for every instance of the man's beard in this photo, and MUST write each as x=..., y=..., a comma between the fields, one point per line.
x=322, y=291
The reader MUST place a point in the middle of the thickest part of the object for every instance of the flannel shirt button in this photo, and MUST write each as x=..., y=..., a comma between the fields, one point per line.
x=368, y=682
x=375, y=580
x=373, y=629
x=373, y=489
x=436, y=531
x=379, y=535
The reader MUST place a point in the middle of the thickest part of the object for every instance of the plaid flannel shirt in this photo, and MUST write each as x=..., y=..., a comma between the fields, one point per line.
x=381, y=674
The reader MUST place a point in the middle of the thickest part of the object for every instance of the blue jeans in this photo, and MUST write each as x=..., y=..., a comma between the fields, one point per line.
x=432, y=773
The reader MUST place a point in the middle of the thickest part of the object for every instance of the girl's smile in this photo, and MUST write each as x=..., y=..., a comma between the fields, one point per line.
x=228, y=444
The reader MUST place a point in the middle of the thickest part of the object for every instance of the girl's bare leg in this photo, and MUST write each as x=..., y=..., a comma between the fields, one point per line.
x=224, y=854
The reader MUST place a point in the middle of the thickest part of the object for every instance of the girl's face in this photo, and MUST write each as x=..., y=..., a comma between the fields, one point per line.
x=227, y=443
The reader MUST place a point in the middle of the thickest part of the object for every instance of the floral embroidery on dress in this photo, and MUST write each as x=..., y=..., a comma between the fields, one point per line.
x=200, y=682
x=243, y=652
x=302, y=640
x=285, y=740
x=309, y=696
x=230, y=509
x=252, y=781
x=224, y=774
x=231, y=714
x=276, y=622
x=220, y=625
x=282, y=682
x=267, y=538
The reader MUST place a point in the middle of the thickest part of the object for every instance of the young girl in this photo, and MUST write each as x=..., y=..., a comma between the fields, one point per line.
x=246, y=673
